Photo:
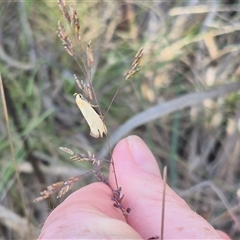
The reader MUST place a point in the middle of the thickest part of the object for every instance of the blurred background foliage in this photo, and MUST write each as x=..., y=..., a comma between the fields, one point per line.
x=189, y=48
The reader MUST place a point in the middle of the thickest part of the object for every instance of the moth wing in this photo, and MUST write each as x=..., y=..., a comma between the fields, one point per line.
x=97, y=126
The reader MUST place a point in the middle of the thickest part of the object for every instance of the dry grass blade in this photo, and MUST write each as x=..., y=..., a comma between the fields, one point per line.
x=162, y=207
x=15, y=63
x=220, y=194
x=16, y=223
x=199, y=10
x=163, y=201
x=22, y=201
x=225, y=202
x=165, y=108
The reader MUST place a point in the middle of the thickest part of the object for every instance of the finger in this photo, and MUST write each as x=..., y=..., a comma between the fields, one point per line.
x=87, y=213
x=138, y=175
x=223, y=235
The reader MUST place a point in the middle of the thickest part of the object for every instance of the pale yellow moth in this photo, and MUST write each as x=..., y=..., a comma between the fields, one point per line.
x=97, y=127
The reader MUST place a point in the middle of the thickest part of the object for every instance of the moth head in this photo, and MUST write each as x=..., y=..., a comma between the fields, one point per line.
x=79, y=95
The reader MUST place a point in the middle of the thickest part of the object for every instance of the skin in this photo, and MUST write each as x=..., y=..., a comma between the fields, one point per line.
x=89, y=213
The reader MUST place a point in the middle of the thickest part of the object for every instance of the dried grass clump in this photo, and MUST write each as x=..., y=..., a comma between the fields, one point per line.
x=184, y=104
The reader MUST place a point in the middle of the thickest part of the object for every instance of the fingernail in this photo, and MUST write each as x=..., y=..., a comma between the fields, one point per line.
x=142, y=155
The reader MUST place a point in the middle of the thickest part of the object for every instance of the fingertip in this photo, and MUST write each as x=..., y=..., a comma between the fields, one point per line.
x=142, y=155
x=223, y=235
x=132, y=153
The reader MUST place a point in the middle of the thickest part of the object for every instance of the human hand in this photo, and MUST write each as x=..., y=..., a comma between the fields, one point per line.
x=89, y=212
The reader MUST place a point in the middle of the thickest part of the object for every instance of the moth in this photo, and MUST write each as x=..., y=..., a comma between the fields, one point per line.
x=96, y=124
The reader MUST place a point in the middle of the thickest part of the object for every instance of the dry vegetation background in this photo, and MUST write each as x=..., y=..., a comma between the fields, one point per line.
x=184, y=103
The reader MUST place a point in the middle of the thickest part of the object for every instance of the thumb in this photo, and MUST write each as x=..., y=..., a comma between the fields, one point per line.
x=138, y=175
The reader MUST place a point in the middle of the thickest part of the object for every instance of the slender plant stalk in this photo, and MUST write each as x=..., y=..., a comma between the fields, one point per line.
x=22, y=202
x=163, y=201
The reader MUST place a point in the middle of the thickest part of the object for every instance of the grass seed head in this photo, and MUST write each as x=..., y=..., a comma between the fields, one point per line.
x=89, y=52
x=62, y=7
x=79, y=158
x=134, y=67
x=67, y=43
x=67, y=150
x=67, y=186
x=84, y=86
x=49, y=191
x=76, y=25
